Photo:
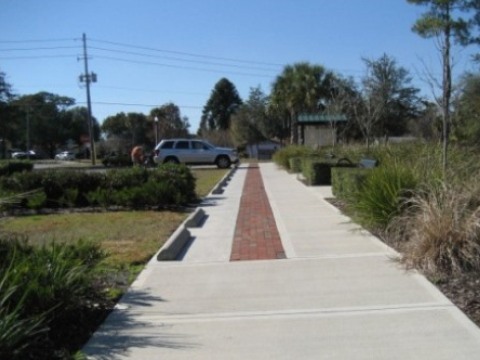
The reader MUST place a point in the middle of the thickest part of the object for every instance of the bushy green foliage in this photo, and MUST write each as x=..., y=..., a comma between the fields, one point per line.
x=295, y=165
x=68, y=188
x=316, y=171
x=18, y=332
x=282, y=156
x=23, y=182
x=168, y=184
x=118, y=179
x=178, y=177
x=381, y=195
x=51, y=272
x=11, y=167
x=34, y=283
x=436, y=227
x=61, y=188
x=347, y=180
x=36, y=201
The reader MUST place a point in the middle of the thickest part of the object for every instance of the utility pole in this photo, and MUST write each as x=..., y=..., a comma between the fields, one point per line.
x=28, y=133
x=88, y=78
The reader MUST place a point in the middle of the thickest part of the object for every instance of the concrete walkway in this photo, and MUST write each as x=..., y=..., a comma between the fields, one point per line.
x=337, y=295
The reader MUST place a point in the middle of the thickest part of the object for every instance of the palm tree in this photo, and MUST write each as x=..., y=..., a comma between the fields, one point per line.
x=299, y=89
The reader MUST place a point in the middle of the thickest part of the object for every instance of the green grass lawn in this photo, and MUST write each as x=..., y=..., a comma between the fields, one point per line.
x=129, y=237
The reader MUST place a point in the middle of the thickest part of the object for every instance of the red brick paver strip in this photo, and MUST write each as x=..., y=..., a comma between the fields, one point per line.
x=256, y=234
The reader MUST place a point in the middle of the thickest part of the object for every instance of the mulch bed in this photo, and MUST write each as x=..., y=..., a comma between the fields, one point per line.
x=464, y=291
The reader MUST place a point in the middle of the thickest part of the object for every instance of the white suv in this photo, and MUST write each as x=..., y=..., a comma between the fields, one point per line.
x=194, y=151
x=65, y=155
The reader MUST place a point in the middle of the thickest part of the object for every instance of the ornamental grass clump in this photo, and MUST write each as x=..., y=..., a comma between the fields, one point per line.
x=381, y=195
x=18, y=333
x=441, y=231
x=46, y=294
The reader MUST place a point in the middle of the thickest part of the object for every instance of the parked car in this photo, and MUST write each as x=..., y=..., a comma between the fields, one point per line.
x=65, y=155
x=194, y=151
x=22, y=155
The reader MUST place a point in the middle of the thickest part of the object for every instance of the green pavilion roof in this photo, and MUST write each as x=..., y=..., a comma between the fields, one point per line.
x=321, y=118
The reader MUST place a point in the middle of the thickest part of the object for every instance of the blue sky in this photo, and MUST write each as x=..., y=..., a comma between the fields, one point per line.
x=151, y=52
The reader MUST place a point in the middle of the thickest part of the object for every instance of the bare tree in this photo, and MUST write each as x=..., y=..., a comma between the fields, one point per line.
x=367, y=114
x=442, y=22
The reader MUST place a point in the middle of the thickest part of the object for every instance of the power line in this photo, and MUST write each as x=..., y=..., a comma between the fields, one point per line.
x=135, y=53
x=149, y=90
x=180, y=67
x=187, y=53
x=35, y=57
x=143, y=62
x=35, y=41
x=138, y=104
x=180, y=59
x=41, y=48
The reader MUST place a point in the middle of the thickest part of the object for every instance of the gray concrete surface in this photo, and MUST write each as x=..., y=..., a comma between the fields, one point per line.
x=338, y=295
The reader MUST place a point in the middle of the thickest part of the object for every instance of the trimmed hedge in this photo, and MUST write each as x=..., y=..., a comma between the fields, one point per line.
x=347, y=180
x=165, y=185
x=11, y=167
x=295, y=164
x=318, y=171
x=282, y=156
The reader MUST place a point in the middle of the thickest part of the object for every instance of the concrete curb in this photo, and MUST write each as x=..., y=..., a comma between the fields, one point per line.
x=195, y=219
x=177, y=241
x=224, y=182
x=174, y=244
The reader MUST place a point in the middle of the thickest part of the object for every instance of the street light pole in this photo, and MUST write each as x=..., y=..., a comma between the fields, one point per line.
x=156, y=130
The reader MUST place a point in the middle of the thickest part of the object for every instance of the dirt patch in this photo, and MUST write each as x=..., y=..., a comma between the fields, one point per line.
x=464, y=291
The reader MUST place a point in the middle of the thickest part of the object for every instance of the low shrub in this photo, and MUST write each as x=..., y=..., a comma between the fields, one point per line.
x=11, y=167
x=35, y=283
x=381, y=195
x=102, y=197
x=347, y=180
x=36, y=201
x=51, y=272
x=282, y=156
x=19, y=333
x=168, y=184
x=295, y=165
x=22, y=182
x=440, y=232
x=117, y=179
x=316, y=171
x=179, y=178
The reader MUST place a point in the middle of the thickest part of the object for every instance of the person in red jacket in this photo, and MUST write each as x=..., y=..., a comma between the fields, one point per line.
x=137, y=155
